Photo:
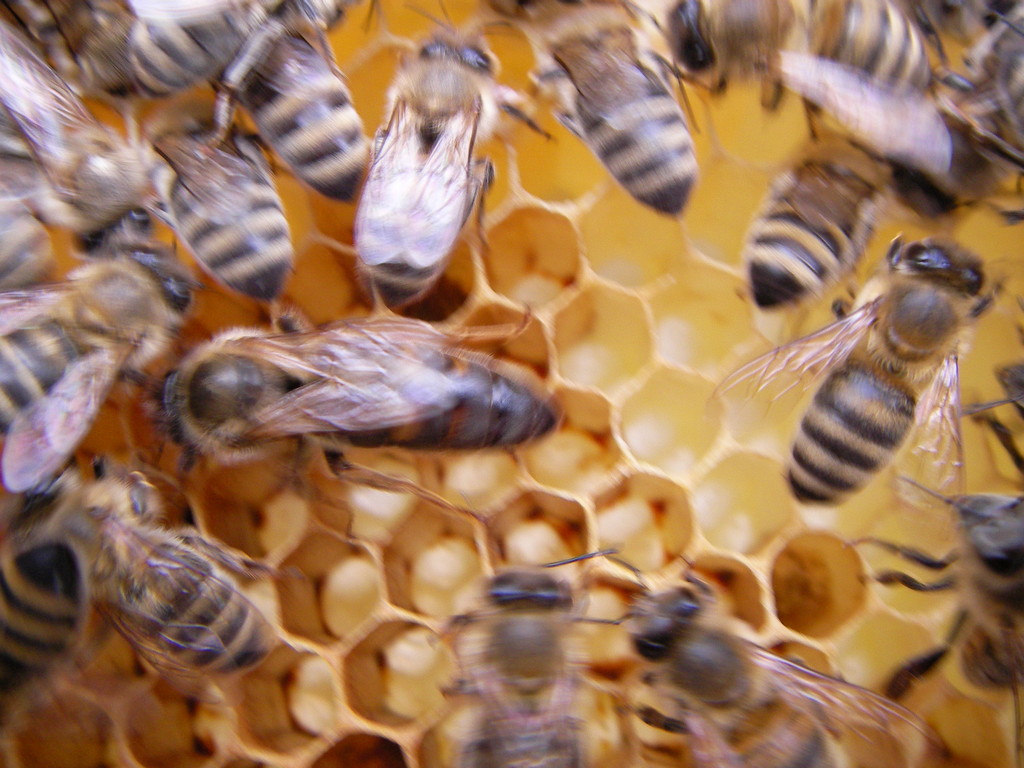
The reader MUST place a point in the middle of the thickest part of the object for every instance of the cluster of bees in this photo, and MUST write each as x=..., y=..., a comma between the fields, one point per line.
x=902, y=122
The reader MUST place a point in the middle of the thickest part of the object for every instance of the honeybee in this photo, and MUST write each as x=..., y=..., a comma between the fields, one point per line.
x=88, y=175
x=170, y=595
x=611, y=94
x=715, y=42
x=521, y=675
x=175, y=44
x=986, y=570
x=26, y=257
x=304, y=111
x=43, y=602
x=890, y=363
x=815, y=223
x=370, y=383
x=743, y=706
x=424, y=176
x=63, y=345
x=221, y=202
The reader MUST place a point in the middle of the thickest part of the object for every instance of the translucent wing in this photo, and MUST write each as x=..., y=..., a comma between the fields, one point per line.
x=43, y=436
x=937, y=457
x=882, y=727
x=901, y=123
x=367, y=376
x=180, y=11
x=804, y=361
x=21, y=309
x=221, y=181
x=42, y=106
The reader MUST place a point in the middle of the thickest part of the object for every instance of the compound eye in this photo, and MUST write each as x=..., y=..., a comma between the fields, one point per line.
x=691, y=46
x=655, y=640
x=476, y=59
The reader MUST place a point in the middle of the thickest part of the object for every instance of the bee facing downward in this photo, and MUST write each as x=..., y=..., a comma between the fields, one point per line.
x=424, y=176
x=888, y=365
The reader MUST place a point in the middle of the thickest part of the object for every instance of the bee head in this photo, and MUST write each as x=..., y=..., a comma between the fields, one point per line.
x=529, y=590
x=176, y=285
x=662, y=619
x=1011, y=377
x=467, y=54
x=994, y=525
x=941, y=261
x=687, y=33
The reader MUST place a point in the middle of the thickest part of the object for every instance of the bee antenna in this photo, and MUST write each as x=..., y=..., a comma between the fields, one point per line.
x=981, y=407
x=1012, y=24
x=585, y=556
x=447, y=23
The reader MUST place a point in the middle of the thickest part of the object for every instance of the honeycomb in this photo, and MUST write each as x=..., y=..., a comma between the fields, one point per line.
x=632, y=318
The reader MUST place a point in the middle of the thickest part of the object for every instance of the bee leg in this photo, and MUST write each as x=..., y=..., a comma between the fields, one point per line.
x=1005, y=438
x=920, y=665
x=373, y=479
x=662, y=722
x=927, y=28
x=514, y=111
x=908, y=581
x=908, y=553
x=245, y=61
x=771, y=96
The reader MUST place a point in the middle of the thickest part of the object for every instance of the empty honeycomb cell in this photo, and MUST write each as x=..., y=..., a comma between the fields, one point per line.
x=805, y=655
x=700, y=317
x=366, y=750
x=669, y=421
x=533, y=254
x=539, y=527
x=479, y=480
x=326, y=588
x=718, y=229
x=646, y=518
x=431, y=565
x=606, y=647
x=740, y=515
x=738, y=115
x=322, y=286
x=818, y=584
x=560, y=168
x=161, y=733
x=314, y=696
x=265, y=712
x=880, y=643
x=581, y=455
x=611, y=230
x=369, y=83
x=395, y=675
x=602, y=338
x=742, y=592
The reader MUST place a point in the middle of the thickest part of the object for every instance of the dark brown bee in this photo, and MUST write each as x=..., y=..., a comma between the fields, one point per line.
x=743, y=707
x=889, y=364
x=365, y=383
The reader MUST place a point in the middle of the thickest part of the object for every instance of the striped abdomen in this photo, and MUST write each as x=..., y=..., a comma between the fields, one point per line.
x=645, y=144
x=168, y=58
x=244, y=243
x=32, y=360
x=810, y=232
x=200, y=620
x=876, y=37
x=41, y=612
x=854, y=425
x=304, y=111
x=488, y=409
x=25, y=253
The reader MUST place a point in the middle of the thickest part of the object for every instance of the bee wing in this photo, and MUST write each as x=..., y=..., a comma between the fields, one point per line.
x=180, y=11
x=21, y=309
x=43, y=107
x=937, y=458
x=804, y=361
x=413, y=204
x=853, y=712
x=899, y=122
x=372, y=375
x=220, y=181
x=43, y=436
